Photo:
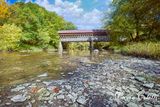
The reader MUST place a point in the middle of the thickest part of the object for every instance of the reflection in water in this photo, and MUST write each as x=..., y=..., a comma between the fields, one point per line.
x=21, y=67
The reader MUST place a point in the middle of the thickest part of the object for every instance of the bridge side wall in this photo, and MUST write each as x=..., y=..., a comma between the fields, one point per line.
x=84, y=38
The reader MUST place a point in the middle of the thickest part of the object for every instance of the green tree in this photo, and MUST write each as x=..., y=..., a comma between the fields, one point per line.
x=39, y=26
x=135, y=20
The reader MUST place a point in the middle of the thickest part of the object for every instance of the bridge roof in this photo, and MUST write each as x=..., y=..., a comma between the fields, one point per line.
x=97, y=32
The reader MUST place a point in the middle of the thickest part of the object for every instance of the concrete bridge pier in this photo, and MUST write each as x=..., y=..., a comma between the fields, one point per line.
x=91, y=45
x=60, y=48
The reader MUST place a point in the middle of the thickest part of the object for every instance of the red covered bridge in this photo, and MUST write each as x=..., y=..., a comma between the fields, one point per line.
x=83, y=36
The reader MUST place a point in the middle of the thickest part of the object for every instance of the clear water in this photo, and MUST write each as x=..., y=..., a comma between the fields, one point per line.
x=17, y=68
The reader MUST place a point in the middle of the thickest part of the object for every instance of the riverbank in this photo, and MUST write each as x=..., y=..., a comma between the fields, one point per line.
x=122, y=82
x=149, y=50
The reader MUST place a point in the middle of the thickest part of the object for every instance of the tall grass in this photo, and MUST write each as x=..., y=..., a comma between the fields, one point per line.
x=143, y=49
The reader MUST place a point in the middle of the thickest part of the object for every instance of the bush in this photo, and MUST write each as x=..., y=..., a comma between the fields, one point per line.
x=143, y=49
x=10, y=36
x=77, y=46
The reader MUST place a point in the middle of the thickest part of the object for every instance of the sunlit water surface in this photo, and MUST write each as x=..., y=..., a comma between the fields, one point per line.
x=18, y=68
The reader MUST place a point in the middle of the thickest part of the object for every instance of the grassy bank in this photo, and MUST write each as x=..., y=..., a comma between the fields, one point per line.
x=142, y=49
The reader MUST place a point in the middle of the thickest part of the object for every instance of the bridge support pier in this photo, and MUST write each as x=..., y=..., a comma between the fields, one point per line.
x=91, y=46
x=60, y=48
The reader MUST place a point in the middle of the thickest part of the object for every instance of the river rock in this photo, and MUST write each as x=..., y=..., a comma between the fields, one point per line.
x=50, y=102
x=70, y=73
x=8, y=104
x=140, y=79
x=46, y=83
x=18, y=98
x=132, y=104
x=72, y=97
x=82, y=100
x=43, y=75
x=60, y=97
x=68, y=87
x=149, y=85
x=133, y=89
x=43, y=92
x=18, y=88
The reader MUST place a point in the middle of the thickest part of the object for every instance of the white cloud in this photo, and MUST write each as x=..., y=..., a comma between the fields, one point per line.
x=72, y=11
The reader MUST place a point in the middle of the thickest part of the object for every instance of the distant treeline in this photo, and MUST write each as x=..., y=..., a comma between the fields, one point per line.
x=25, y=26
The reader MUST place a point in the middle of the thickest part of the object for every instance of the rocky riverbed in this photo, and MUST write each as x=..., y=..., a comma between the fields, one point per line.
x=131, y=82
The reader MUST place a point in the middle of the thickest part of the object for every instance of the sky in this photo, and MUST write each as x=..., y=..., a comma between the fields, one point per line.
x=85, y=14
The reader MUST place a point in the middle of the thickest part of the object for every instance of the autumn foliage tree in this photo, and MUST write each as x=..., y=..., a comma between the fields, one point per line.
x=4, y=11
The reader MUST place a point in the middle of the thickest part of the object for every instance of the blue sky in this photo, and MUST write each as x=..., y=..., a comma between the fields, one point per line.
x=85, y=14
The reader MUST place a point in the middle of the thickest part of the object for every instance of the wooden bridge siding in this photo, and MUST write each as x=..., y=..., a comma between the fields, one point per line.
x=83, y=38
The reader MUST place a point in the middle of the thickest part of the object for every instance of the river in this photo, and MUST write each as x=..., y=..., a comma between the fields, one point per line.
x=17, y=67
x=77, y=79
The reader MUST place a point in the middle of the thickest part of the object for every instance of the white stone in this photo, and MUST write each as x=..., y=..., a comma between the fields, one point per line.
x=43, y=75
x=50, y=102
x=70, y=73
x=18, y=98
x=68, y=87
x=46, y=83
x=149, y=85
x=38, y=80
x=60, y=97
x=8, y=103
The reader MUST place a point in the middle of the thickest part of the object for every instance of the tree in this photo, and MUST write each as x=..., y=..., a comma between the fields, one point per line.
x=40, y=27
x=135, y=20
x=4, y=11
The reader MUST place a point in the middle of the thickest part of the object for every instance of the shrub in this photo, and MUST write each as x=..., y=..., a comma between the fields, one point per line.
x=10, y=36
x=143, y=49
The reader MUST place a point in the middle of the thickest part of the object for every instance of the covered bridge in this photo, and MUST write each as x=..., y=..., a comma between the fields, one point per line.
x=83, y=36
